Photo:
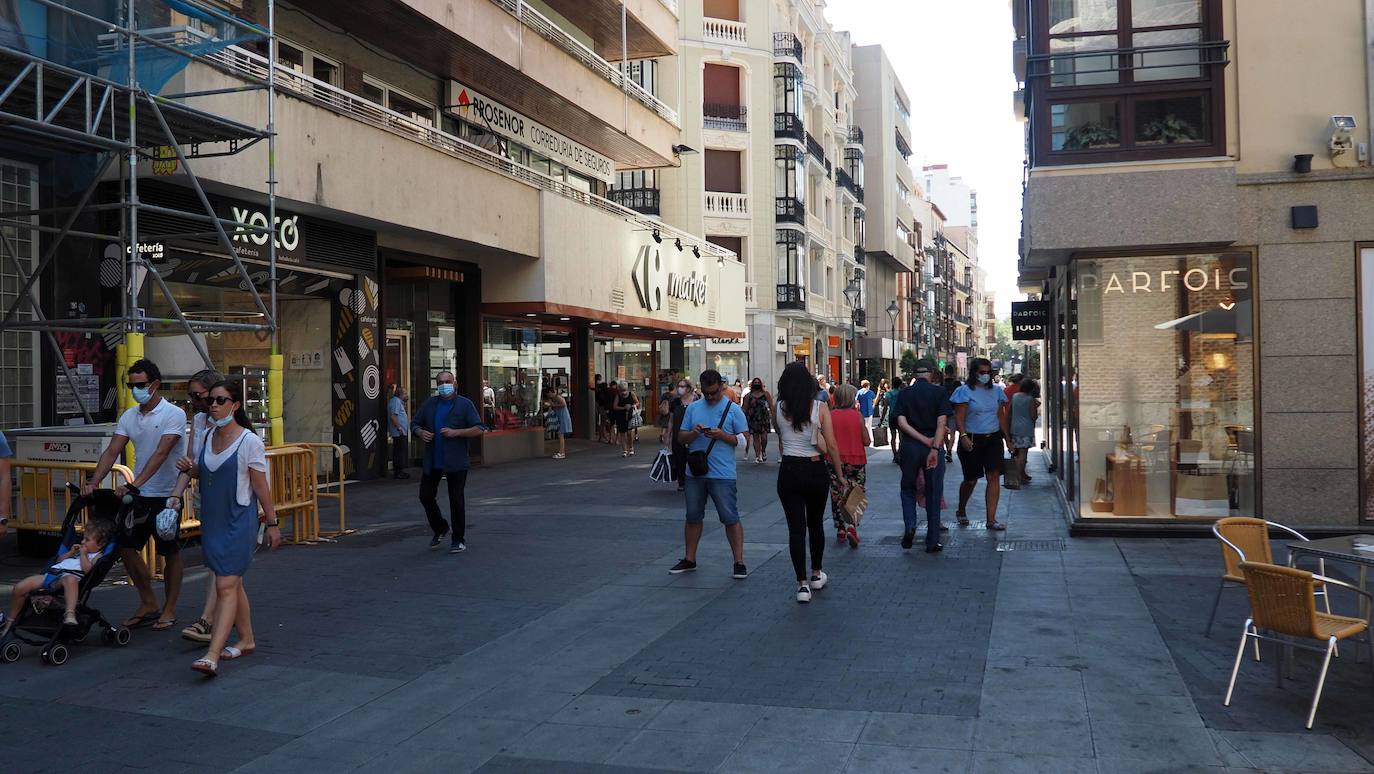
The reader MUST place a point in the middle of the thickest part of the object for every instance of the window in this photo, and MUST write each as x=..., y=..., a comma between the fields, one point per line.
x=1127, y=79
x=790, y=256
x=410, y=107
x=789, y=172
x=903, y=233
x=733, y=244
x=787, y=101
x=373, y=91
x=18, y=367
x=903, y=112
x=903, y=192
x=324, y=70
x=723, y=171
x=290, y=57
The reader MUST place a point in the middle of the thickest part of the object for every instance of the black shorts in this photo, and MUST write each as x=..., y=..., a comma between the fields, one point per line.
x=144, y=514
x=986, y=456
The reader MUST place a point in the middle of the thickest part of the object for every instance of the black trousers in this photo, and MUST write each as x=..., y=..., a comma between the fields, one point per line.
x=679, y=462
x=804, y=488
x=429, y=491
x=400, y=453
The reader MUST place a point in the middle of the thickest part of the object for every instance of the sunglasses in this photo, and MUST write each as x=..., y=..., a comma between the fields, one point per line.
x=132, y=385
x=196, y=395
x=218, y=400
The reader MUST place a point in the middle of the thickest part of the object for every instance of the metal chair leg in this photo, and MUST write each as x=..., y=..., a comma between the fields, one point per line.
x=1216, y=603
x=1235, y=668
x=1321, y=681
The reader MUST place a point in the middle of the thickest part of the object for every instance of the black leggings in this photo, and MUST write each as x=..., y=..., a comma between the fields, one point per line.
x=803, y=488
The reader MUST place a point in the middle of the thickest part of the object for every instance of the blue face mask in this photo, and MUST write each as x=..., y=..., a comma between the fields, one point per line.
x=984, y=378
x=224, y=420
x=445, y=390
x=141, y=395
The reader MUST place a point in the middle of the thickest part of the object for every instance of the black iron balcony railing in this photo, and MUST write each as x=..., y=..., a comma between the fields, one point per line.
x=860, y=317
x=788, y=126
x=813, y=146
x=855, y=134
x=902, y=146
x=859, y=255
x=787, y=44
x=732, y=118
x=642, y=200
x=791, y=297
x=789, y=210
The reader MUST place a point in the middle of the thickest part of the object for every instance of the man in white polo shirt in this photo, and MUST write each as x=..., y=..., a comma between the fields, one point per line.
x=158, y=430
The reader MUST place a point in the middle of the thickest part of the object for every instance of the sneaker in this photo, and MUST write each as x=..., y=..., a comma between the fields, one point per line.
x=819, y=580
x=908, y=538
x=458, y=548
x=434, y=541
x=560, y=456
x=935, y=549
x=682, y=566
x=803, y=594
x=741, y=572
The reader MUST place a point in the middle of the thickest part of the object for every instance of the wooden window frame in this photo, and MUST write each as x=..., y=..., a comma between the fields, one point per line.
x=1126, y=92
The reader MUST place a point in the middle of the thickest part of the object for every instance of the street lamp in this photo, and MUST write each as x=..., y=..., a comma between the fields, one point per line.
x=892, y=312
x=851, y=295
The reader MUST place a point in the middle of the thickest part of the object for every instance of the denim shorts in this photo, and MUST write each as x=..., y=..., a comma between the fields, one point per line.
x=722, y=492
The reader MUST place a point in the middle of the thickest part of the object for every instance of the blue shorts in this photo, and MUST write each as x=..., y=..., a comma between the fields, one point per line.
x=722, y=492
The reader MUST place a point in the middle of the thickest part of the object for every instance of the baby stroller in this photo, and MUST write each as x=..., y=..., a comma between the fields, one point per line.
x=39, y=622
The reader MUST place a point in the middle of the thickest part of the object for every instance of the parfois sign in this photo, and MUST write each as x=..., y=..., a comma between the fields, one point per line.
x=1029, y=320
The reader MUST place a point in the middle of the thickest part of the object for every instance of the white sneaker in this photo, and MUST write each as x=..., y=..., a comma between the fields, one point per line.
x=819, y=580
x=803, y=594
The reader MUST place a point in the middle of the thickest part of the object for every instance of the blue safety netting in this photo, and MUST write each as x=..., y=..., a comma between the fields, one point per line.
x=88, y=44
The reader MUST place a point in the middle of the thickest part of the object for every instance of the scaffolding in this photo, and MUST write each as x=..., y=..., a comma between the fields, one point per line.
x=103, y=102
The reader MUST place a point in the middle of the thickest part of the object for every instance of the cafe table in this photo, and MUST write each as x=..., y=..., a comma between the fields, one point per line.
x=1355, y=549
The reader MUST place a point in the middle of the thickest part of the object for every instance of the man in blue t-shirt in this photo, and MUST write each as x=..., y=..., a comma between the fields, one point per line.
x=451, y=419
x=980, y=414
x=712, y=426
x=865, y=399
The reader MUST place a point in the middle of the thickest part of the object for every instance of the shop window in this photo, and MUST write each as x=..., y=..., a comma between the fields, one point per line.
x=511, y=367
x=1165, y=393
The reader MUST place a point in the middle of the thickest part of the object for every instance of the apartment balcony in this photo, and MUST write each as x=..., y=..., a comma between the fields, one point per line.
x=902, y=146
x=642, y=200
x=789, y=210
x=854, y=137
x=859, y=255
x=843, y=180
x=730, y=118
x=792, y=297
x=788, y=126
x=813, y=146
x=860, y=318
x=787, y=45
x=724, y=31
x=650, y=25
x=726, y=205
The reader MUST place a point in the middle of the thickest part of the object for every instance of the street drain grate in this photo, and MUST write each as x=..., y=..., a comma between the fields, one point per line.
x=1031, y=545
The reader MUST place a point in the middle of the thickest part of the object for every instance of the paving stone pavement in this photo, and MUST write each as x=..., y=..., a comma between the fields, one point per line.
x=559, y=643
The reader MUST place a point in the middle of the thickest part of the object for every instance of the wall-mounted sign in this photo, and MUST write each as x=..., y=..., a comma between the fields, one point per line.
x=727, y=345
x=485, y=113
x=651, y=282
x=780, y=339
x=1194, y=280
x=286, y=232
x=311, y=360
x=1029, y=320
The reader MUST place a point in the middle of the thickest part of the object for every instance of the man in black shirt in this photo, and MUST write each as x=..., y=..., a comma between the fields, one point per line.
x=951, y=384
x=923, y=414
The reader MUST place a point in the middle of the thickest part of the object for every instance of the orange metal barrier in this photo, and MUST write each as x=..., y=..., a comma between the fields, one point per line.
x=332, y=471
x=291, y=472
x=43, y=494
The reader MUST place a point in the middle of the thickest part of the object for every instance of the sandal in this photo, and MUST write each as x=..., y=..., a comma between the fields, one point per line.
x=69, y=618
x=164, y=625
x=197, y=632
x=230, y=652
x=140, y=621
x=206, y=667
x=997, y=526
x=963, y=520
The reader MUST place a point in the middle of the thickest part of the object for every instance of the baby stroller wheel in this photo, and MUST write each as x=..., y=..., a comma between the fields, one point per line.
x=122, y=636
x=11, y=653
x=57, y=655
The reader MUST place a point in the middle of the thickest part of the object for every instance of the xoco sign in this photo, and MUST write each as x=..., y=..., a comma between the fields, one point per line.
x=250, y=239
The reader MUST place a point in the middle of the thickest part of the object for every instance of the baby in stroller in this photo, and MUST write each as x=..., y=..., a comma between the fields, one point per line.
x=77, y=569
x=66, y=573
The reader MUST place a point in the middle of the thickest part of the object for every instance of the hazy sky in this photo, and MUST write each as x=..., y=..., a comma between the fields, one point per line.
x=954, y=60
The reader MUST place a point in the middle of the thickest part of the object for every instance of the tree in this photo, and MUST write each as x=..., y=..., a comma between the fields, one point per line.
x=1004, y=348
x=908, y=363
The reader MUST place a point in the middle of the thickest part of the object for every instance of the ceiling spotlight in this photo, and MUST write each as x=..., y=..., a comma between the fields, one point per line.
x=696, y=251
x=565, y=319
x=678, y=243
x=615, y=325
x=594, y=322
x=658, y=237
x=531, y=314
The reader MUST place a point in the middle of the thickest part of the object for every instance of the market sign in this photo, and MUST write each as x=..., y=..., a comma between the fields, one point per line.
x=485, y=113
x=652, y=281
x=1029, y=320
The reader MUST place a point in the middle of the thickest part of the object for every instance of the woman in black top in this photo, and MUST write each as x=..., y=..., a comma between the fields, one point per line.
x=683, y=395
x=621, y=410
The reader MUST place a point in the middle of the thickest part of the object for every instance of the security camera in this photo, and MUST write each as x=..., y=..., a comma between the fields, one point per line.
x=1342, y=143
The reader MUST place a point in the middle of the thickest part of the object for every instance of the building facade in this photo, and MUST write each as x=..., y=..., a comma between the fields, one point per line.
x=1200, y=239
x=894, y=234
x=442, y=204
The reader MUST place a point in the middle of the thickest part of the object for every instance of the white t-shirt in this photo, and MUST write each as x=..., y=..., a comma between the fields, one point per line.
x=200, y=425
x=73, y=564
x=146, y=431
x=797, y=443
x=252, y=454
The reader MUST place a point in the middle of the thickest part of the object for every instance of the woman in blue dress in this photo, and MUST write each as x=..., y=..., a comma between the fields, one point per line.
x=232, y=471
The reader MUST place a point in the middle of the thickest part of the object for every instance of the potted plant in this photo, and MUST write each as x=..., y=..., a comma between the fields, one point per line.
x=1091, y=135
x=1169, y=130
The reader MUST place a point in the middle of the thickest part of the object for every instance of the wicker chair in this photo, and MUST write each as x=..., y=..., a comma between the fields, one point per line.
x=1283, y=605
x=1245, y=539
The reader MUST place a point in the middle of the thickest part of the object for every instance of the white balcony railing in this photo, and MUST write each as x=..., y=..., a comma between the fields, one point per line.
x=725, y=31
x=237, y=61
x=556, y=35
x=727, y=205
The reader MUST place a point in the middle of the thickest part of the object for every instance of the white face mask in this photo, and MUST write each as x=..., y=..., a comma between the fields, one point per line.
x=682, y=391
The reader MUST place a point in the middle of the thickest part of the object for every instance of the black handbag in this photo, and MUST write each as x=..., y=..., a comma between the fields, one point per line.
x=699, y=462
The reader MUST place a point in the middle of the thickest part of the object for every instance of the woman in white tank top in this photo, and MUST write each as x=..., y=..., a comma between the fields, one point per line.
x=803, y=481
